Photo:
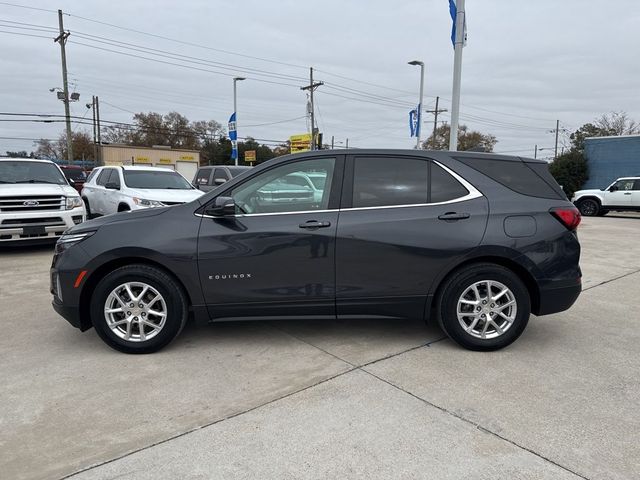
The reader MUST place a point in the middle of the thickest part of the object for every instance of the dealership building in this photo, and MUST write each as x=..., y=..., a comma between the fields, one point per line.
x=610, y=158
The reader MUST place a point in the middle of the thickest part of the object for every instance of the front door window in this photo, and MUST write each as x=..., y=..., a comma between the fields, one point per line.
x=287, y=188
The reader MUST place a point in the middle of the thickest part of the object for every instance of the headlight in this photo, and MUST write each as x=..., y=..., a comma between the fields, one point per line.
x=143, y=202
x=73, y=202
x=68, y=240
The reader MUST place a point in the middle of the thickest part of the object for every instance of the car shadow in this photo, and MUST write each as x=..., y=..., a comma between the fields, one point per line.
x=27, y=247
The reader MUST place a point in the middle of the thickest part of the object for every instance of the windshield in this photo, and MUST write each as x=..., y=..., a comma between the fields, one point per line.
x=30, y=172
x=235, y=171
x=158, y=180
x=76, y=175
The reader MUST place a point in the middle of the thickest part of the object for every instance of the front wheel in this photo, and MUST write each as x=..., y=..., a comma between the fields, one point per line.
x=484, y=307
x=589, y=207
x=138, y=309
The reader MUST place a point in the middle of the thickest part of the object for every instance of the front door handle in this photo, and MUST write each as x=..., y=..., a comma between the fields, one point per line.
x=627, y=193
x=313, y=224
x=453, y=216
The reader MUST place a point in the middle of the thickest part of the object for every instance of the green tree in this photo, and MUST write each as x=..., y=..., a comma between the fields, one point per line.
x=570, y=170
x=467, y=139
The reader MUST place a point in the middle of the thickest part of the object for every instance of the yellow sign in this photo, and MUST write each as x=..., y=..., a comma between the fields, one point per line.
x=165, y=160
x=142, y=160
x=187, y=157
x=250, y=156
x=300, y=143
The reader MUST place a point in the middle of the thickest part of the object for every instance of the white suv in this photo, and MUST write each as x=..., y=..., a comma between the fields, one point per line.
x=118, y=189
x=36, y=201
x=623, y=194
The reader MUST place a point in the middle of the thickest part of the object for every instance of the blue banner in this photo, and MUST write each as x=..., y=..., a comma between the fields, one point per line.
x=233, y=136
x=414, y=121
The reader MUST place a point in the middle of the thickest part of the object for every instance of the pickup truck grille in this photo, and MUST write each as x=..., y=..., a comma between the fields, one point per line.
x=32, y=203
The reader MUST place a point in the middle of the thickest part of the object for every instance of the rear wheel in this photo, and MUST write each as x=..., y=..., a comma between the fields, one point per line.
x=589, y=207
x=138, y=309
x=484, y=307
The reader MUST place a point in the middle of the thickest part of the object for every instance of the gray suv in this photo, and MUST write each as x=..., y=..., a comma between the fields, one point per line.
x=475, y=242
x=209, y=177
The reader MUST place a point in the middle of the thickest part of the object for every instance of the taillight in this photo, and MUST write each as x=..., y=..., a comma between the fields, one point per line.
x=568, y=216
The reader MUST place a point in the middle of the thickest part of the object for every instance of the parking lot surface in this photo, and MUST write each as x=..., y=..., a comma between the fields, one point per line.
x=357, y=399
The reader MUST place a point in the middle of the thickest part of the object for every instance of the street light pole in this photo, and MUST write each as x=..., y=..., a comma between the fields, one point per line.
x=235, y=109
x=419, y=112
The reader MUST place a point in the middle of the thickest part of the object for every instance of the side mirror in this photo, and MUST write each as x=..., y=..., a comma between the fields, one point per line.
x=221, y=206
x=613, y=188
x=112, y=186
x=219, y=181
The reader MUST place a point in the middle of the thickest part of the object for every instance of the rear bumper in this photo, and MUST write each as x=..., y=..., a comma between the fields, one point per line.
x=554, y=298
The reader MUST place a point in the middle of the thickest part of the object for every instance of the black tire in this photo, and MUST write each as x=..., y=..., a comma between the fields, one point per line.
x=87, y=208
x=172, y=293
x=589, y=207
x=454, y=287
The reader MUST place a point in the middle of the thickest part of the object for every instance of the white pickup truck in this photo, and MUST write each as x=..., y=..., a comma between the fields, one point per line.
x=621, y=195
x=36, y=201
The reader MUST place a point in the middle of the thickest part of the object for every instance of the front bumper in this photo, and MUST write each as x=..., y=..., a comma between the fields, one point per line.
x=69, y=313
x=38, y=225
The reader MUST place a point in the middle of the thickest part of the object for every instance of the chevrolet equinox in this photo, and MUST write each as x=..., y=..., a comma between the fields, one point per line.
x=476, y=242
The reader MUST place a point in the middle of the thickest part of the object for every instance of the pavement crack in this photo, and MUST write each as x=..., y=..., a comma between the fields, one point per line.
x=475, y=424
x=611, y=280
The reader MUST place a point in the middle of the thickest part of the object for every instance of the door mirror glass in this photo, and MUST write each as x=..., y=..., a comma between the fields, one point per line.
x=112, y=186
x=221, y=206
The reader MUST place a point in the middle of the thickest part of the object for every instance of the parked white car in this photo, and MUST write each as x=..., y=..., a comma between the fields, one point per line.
x=122, y=188
x=36, y=201
x=621, y=195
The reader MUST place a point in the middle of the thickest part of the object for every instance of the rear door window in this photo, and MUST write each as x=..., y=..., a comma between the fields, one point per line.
x=386, y=181
x=444, y=187
x=114, y=177
x=220, y=176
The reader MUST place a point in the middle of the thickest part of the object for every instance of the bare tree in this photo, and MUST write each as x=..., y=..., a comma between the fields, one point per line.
x=618, y=123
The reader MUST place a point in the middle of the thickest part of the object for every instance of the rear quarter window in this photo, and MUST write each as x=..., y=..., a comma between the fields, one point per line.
x=528, y=178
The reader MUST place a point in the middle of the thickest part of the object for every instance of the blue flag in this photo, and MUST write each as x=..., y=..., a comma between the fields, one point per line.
x=453, y=11
x=233, y=136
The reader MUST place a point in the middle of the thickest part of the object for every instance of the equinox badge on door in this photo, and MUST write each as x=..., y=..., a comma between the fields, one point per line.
x=230, y=276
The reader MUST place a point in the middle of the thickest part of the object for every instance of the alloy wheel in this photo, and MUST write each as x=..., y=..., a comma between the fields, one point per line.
x=135, y=311
x=487, y=309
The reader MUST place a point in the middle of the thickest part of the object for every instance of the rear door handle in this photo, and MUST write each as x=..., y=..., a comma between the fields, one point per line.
x=313, y=224
x=453, y=216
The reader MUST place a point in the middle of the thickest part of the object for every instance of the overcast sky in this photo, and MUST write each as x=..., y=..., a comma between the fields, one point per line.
x=526, y=64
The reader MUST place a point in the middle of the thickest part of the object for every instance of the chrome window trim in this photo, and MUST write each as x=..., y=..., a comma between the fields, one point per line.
x=473, y=193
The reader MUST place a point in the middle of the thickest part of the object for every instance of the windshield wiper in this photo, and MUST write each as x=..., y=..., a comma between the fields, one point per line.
x=37, y=181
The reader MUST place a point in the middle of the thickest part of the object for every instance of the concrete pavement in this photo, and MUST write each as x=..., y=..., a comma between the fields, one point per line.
x=317, y=400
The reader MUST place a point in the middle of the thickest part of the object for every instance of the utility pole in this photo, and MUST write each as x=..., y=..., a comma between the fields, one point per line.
x=347, y=145
x=535, y=152
x=311, y=87
x=62, y=39
x=93, y=123
x=435, y=112
x=331, y=142
x=555, y=155
x=99, y=158
x=457, y=75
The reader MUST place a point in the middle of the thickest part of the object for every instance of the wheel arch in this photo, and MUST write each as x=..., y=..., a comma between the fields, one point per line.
x=100, y=272
x=125, y=205
x=520, y=270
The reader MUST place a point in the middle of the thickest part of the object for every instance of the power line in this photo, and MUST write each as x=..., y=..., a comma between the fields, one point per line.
x=27, y=7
